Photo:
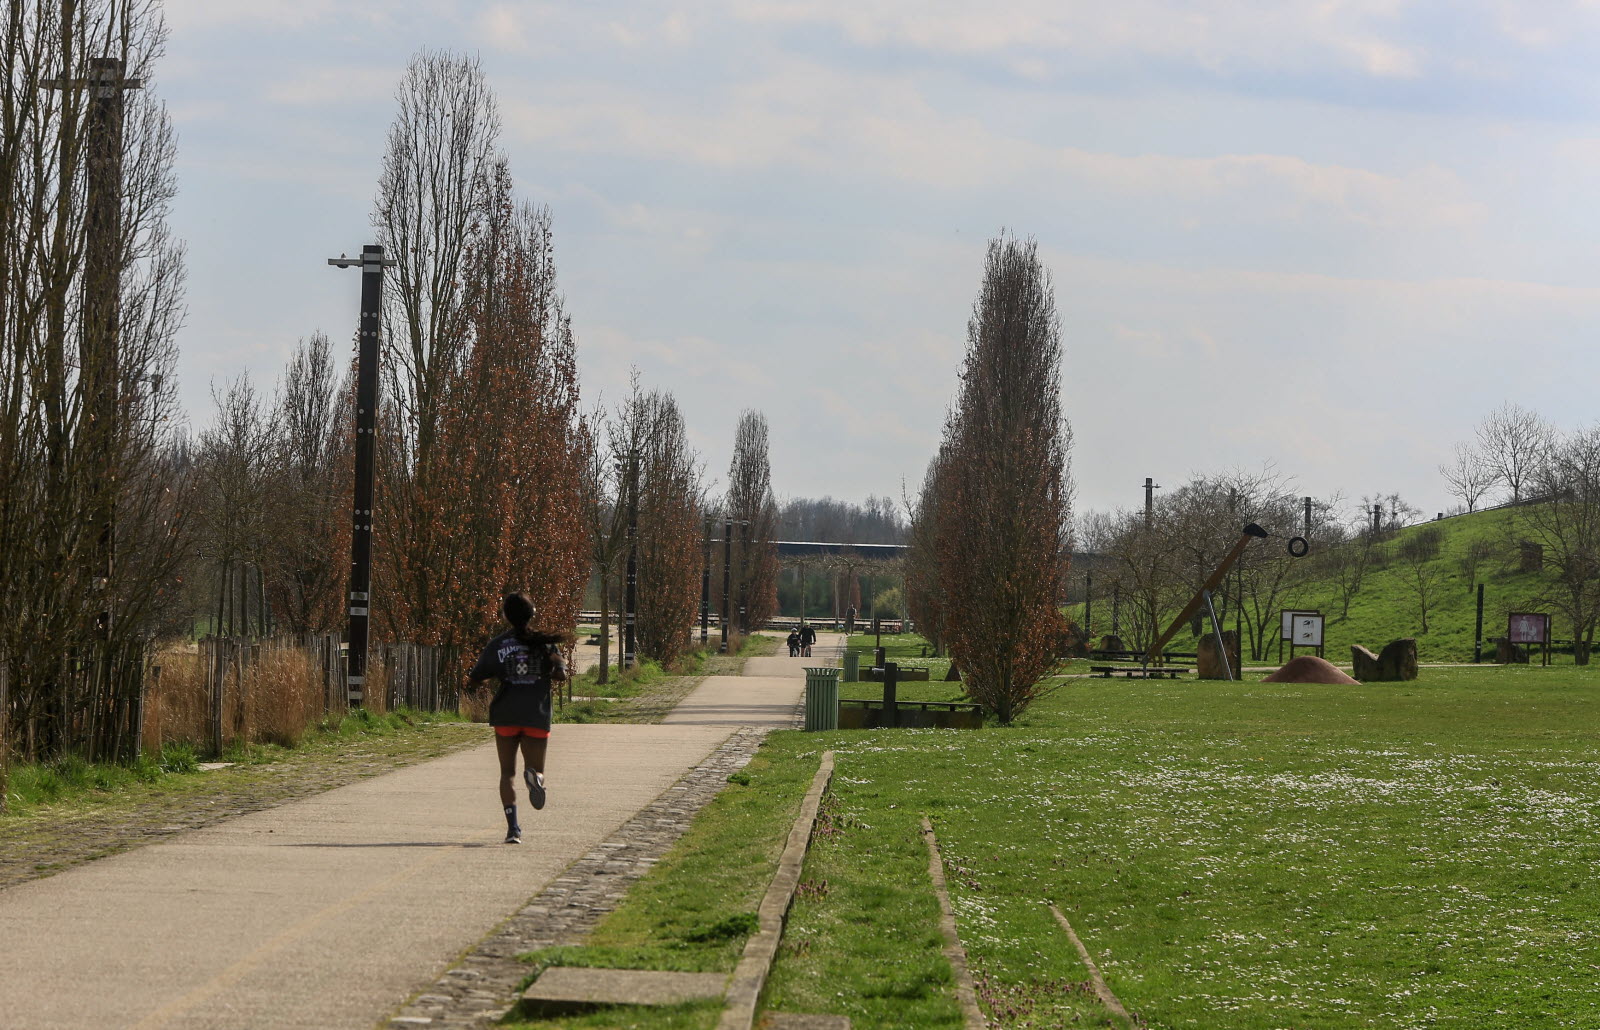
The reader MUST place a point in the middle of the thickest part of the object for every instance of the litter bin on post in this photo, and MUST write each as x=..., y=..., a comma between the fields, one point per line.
x=852, y=667
x=822, y=699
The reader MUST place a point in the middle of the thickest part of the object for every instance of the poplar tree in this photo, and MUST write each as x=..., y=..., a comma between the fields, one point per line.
x=1003, y=495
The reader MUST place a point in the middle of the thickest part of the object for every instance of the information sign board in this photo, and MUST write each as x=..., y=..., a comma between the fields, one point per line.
x=1307, y=630
x=1528, y=628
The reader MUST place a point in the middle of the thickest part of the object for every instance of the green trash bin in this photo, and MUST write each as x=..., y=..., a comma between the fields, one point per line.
x=852, y=667
x=822, y=699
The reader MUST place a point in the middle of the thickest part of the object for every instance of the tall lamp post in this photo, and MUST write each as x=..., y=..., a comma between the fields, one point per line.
x=372, y=263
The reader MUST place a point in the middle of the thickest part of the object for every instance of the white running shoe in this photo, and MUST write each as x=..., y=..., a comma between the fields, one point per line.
x=535, y=782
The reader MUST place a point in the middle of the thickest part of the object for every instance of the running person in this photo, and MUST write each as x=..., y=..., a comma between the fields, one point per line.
x=525, y=663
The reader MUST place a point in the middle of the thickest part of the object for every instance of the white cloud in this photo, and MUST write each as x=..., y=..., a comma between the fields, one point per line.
x=880, y=126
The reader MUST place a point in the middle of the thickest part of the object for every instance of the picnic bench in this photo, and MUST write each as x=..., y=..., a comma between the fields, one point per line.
x=1132, y=664
x=1140, y=672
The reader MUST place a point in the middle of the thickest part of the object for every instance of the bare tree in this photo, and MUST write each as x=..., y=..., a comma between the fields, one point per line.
x=434, y=196
x=1418, y=553
x=1513, y=441
x=91, y=500
x=1003, y=517
x=1567, y=525
x=652, y=443
x=1472, y=556
x=308, y=542
x=1469, y=476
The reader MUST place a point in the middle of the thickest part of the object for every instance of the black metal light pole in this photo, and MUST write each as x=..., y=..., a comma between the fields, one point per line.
x=744, y=577
x=372, y=263
x=705, y=587
x=727, y=579
x=630, y=600
x=1088, y=603
x=99, y=349
x=1477, y=635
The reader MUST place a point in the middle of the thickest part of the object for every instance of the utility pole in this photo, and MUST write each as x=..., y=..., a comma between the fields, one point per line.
x=1307, y=532
x=1088, y=603
x=727, y=578
x=630, y=599
x=744, y=576
x=1377, y=519
x=372, y=263
x=99, y=349
x=1150, y=488
x=705, y=588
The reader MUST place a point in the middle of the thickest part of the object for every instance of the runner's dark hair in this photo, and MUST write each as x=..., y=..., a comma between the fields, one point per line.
x=519, y=612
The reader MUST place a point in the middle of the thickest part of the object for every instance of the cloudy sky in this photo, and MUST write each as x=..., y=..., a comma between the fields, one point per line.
x=1327, y=235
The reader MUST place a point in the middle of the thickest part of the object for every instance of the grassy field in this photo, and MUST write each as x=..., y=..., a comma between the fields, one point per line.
x=1243, y=855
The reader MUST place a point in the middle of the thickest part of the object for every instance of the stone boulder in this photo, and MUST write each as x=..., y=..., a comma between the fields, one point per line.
x=1507, y=653
x=1208, y=664
x=1394, y=664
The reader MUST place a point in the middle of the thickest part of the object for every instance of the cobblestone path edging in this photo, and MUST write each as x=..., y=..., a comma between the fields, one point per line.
x=486, y=983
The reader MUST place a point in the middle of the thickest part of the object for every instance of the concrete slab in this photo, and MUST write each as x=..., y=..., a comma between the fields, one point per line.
x=327, y=912
x=566, y=988
x=801, y=1021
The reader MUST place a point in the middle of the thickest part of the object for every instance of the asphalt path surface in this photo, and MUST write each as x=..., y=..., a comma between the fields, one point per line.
x=333, y=910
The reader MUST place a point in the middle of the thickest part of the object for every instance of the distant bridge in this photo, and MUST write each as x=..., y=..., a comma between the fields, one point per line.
x=822, y=549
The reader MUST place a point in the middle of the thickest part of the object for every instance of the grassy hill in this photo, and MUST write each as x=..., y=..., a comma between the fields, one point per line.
x=1386, y=606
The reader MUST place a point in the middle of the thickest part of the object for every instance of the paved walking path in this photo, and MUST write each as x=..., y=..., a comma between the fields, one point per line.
x=330, y=912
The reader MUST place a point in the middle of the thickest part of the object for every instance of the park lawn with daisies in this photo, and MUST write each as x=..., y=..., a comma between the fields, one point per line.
x=1234, y=855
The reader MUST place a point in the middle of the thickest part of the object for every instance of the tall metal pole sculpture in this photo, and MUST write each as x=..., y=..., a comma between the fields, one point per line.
x=372, y=263
x=1203, y=597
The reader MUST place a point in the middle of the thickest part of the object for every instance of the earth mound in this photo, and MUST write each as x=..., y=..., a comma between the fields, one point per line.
x=1308, y=668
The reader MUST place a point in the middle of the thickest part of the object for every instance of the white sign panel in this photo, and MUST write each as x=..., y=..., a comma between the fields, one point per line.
x=1307, y=630
x=1287, y=631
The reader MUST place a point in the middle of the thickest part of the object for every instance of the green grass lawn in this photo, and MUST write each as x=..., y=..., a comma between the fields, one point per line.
x=1246, y=856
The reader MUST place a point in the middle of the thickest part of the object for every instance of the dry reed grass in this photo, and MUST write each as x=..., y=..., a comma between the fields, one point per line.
x=276, y=698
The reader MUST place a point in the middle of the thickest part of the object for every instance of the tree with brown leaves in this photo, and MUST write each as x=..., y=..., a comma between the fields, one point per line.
x=1002, y=517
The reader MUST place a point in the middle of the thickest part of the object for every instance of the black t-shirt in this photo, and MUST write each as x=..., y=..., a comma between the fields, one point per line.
x=524, y=674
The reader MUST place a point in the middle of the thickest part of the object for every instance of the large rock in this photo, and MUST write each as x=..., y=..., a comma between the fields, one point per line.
x=1208, y=663
x=1506, y=653
x=1395, y=663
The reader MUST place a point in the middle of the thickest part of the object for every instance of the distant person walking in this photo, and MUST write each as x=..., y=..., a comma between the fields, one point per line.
x=808, y=636
x=525, y=663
